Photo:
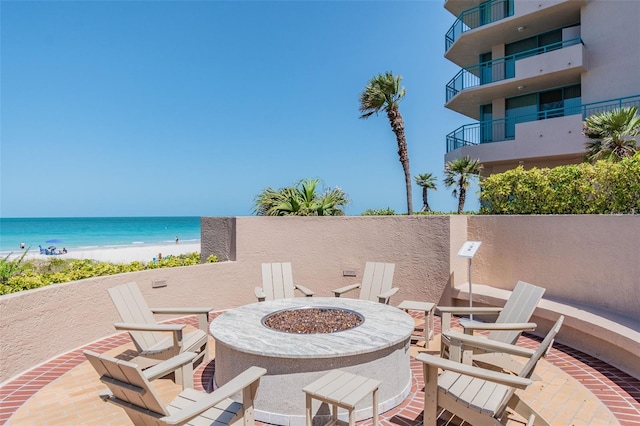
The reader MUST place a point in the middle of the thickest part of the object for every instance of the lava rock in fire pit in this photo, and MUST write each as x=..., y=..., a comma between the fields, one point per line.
x=313, y=320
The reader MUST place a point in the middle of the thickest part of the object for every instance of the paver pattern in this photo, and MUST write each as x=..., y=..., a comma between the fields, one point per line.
x=576, y=390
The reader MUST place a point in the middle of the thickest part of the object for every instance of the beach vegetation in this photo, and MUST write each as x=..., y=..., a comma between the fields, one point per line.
x=384, y=93
x=11, y=267
x=379, y=212
x=459, y=173
x=612, y=134
x=25, y=274
x=306, y=198
x=602, y=188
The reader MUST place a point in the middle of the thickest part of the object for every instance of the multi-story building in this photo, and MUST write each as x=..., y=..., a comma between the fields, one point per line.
x=532, y=70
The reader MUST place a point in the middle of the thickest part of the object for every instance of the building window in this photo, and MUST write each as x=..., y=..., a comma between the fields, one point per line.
x=559, y=102
x=486, y=123
x=540, y=106
x=518, y=110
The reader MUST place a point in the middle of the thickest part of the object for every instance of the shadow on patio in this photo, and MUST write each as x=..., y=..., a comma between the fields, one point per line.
x=64, y=390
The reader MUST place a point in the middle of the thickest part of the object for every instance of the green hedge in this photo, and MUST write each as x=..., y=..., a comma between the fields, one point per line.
x=29, y=274
x=602, y=188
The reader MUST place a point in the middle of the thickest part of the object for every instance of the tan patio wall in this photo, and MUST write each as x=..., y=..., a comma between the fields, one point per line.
x=577, y=257
x=589, y=259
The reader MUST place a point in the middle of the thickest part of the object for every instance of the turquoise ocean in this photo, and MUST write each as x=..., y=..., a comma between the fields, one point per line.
x=82, y=233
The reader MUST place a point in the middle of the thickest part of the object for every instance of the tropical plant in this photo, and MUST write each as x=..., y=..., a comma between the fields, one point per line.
x=303, y=199
x=612, y=134
x=384, y=93
x=10, y=268
x=426, y=181
x=458, y=173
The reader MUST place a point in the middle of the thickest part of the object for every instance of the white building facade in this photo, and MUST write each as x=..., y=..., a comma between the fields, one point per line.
x=532, y=70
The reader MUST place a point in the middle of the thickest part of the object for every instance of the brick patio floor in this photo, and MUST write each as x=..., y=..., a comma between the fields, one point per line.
x=576, y=389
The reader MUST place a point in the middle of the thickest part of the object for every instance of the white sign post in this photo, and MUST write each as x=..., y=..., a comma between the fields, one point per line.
x=469, y=250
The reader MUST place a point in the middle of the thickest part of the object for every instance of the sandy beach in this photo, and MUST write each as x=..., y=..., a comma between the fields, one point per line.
x=123, y=254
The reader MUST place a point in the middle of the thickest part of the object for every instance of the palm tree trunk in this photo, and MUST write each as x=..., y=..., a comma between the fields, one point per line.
x=425, y=202
x=397, y=125
x=463, y=195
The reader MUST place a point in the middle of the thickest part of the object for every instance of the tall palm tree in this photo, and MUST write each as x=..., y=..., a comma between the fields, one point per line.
x=612, y=134
x=384, y=93
x=303, y=199
x=426, y=181
x=459, y=172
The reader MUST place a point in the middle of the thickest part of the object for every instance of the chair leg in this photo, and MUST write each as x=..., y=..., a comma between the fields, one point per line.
x=430, y=374
x=308, y=410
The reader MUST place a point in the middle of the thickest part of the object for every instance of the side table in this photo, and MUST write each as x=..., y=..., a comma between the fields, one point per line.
x=344, y=390
x=428, y=309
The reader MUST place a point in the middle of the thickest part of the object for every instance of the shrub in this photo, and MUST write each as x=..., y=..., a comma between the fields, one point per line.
x=379, y=212
x=37, y=273
x=601, y=188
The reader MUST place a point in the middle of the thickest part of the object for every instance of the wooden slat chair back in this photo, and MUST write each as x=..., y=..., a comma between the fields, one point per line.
x=129, y=387
x=131, y=390
x=376, y=285
x=277, y=281
x=518, y=309
x=527, y=371
x=477, y=395
x=377, y=279
x=132, y=308
x=159, y=341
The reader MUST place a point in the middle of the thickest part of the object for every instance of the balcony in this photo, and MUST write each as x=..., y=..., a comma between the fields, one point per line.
x=502, y=23
x=531, y=136
x=483, y=14
x=498, y=69
x=555, y=65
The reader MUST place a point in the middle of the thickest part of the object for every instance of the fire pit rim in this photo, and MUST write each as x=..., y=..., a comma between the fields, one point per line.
x=388, y=323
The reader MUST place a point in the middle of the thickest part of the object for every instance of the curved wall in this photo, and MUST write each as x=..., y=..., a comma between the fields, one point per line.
x=588, y=259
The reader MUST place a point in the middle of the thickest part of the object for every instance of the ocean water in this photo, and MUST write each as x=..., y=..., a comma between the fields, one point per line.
x=95, y=232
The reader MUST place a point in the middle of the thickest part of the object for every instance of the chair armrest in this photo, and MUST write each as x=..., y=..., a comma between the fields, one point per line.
x=461, y=310
x=148, y=327
x=166, y=367
x=260, y=294
x=487, y=344
x=492, y=326
x=307, y=292
x=340, y=291
x=182, y=311
x=201, y=312
x=242, y=381
x=448, y=311
x=481, y=373
x=384, y=297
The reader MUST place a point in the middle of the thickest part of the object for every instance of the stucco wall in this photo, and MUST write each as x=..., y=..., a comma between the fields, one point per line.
x=589, y=259
x=39, y=324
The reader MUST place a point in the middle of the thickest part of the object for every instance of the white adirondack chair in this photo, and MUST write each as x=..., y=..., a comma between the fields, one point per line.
x=149, y=337
x=511, y=322
x=480, y=396
x=131, y=390
x=376, y=285
x=277, y=283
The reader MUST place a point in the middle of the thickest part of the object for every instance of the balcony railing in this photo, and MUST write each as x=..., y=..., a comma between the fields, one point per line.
x=475, y=17
x=503, y=129
x=498, y=69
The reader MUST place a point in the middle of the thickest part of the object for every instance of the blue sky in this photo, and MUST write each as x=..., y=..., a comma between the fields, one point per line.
x=153, y=108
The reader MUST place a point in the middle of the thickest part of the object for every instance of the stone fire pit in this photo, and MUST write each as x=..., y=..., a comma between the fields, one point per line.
x=377, y=348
